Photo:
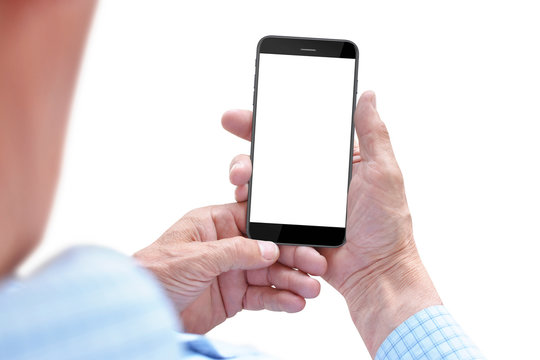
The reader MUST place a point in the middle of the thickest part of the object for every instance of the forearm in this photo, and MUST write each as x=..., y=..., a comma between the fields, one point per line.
x=384, y=295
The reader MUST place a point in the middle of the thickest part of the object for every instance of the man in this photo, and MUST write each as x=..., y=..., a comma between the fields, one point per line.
x=91, y=303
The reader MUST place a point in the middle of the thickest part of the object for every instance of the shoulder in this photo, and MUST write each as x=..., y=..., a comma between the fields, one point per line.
x=89, y=302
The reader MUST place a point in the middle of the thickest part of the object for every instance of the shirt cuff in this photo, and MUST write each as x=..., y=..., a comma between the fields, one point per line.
x=431, y=333
x=199, y=347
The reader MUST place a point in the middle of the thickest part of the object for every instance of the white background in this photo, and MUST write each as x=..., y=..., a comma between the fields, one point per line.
x=304, y=115
x=458, y=84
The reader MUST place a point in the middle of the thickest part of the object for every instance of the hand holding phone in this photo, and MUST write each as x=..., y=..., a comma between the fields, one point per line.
x=378, y=270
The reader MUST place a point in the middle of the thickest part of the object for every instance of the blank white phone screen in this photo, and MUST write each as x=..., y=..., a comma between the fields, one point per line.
x=302, y=141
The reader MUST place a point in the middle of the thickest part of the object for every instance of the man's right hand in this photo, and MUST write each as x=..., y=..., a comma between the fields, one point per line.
x=378, y=270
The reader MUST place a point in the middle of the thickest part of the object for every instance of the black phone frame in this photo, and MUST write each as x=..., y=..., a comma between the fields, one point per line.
x=291, y=234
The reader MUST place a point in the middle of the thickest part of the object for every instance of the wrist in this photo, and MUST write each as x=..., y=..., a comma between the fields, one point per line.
x=383, y=295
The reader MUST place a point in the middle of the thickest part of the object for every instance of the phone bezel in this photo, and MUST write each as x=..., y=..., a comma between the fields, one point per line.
x=291, y=234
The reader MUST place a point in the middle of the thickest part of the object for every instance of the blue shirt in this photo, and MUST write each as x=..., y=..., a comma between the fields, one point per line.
x=93, y=303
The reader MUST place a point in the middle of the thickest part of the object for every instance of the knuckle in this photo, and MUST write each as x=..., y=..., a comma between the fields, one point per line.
x=385, y=173
x=376, y=172
x=214, y=259
x=260, y=300
x=395, y=175
x=288, y=279
x=234, y=247
x=175, y=235
x=237, y=244
x=382, y=130
x=217, y=213
x=245, y=303
x=221, y=216
x=253, y=300
x=240, y=193
x=271, y=276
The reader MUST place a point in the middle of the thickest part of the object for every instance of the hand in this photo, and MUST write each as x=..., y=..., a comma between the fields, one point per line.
x=378, y=270
x=211, y=272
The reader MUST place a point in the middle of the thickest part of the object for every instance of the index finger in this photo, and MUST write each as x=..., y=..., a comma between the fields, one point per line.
x=238, y=122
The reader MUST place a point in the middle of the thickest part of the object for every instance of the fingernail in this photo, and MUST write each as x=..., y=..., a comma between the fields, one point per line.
x=269, y=250
x=235, y=165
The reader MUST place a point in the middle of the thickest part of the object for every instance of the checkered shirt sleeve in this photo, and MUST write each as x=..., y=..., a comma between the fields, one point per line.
x=429, y=334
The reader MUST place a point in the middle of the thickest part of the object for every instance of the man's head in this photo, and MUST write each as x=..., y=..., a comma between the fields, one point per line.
x=40, y=47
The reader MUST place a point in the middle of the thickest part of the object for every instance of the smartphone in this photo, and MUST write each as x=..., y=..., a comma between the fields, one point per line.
x=302, y=140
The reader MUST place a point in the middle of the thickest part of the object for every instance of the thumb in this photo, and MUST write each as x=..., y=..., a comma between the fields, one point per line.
x=372, y=134
x=240, y=253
